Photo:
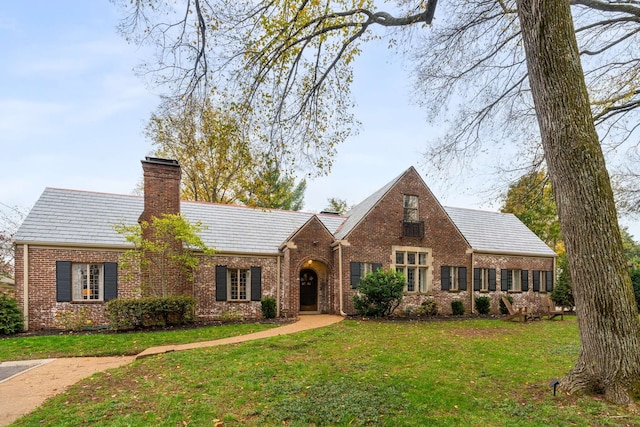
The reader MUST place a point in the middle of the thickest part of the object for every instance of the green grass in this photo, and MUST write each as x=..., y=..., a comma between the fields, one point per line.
x=453, y=373
x=113, y=344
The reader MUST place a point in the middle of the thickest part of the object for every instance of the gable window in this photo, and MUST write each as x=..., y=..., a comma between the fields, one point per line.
x=411, y=208
x=238, y=284
x=484, y=279
x=86, y=282
x=413, y=263
x=359, y=270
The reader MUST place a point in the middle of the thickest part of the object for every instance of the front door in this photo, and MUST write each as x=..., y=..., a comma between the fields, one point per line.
x=308, y=290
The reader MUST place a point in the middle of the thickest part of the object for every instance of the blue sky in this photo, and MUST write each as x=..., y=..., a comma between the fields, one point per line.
x=72, y=113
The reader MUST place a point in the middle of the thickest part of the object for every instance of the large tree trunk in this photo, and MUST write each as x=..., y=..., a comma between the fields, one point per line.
x=609, y=360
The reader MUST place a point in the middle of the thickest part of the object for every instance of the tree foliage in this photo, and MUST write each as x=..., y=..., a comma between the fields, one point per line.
x=337, y=205
x=172, y=245
x=10, y=219
x=273, y=189
x=531, y=199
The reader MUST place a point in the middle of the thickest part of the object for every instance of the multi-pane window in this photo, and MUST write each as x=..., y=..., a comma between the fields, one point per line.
x=88, y=282
x=513, y=280
x=454, y=274
x=411, y=208
x=239, y=284
x=414, y=266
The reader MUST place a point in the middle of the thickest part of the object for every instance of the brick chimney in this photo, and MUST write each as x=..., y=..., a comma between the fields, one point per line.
x=161, y=187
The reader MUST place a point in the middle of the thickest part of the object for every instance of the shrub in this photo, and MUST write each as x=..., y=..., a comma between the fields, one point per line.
x=149, y=312
x=483, y=305
x=379, y=293
x=268, y=307
x=74, y=320
x=427, y=308
x=10, y=315
x=503, y=308
x=457, y=307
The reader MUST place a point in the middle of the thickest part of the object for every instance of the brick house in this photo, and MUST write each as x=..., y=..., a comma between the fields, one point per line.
x=67, y=251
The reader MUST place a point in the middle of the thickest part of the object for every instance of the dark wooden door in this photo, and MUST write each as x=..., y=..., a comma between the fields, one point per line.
x=308, y=290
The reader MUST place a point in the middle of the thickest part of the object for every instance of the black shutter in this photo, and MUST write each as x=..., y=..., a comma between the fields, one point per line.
x=355, y=274
x=549, y=280
x=462, y=278
x=476, y=279
x=525, y=280
x=504, y=285
x=256, y=283
x=221, y=282
x=536, y=280
x=63, y=281
x=376, y=266
x=445, y=278
x=492, y=279
x=110, y=280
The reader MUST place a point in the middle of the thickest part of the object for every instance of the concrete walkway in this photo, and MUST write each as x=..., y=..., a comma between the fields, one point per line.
x=42, y=379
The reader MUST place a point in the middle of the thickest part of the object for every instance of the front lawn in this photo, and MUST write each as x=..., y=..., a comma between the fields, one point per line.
x=113, y=344
x=454, y=373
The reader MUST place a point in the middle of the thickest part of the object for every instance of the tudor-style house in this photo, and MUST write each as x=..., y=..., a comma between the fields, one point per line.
x=67, y=251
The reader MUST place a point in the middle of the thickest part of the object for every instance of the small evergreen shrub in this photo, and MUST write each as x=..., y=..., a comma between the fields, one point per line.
x=11, y=320
x=379, y=293
x=635, y=281
x=268, y=307
x=503, y=308
x=457, y=307
x=483, y=305
x=149, y=312
x=427, y=308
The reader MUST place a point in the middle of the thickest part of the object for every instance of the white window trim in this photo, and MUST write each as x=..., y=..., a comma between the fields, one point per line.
x=484, y=280
x=515, y=277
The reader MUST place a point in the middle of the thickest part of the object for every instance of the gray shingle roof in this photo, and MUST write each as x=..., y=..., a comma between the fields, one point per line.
x=87, y=218
x=497, y=232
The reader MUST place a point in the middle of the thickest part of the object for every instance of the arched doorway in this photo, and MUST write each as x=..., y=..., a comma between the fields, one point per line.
x=308, y=290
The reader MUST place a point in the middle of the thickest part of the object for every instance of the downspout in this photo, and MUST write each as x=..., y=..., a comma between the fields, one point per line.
x=472, y=290
x=279, y=283
x=342, y=313
x=25, y=286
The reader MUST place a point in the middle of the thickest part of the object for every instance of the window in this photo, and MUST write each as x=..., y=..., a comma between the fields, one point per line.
x=542, y=281
x=411, y=208
x=361, y=269
x=87, y=281
x=511, y=280
x=238, y=284
x=453, y=278
x=413, y=263
x=238, y=280
x=484, y=279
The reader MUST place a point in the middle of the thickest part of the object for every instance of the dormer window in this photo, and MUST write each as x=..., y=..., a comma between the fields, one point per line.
x=411, y=208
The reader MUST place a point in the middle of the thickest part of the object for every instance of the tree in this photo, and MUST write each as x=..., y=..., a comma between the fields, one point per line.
x=270, y=189
x=295, y=59
x=213, y=152
x=337, y=205
x=164, y=251
x=10, y=219
x=609, y=360
x=531, y=200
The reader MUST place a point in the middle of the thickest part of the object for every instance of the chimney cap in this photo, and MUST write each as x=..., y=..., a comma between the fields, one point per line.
x=159, y=161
